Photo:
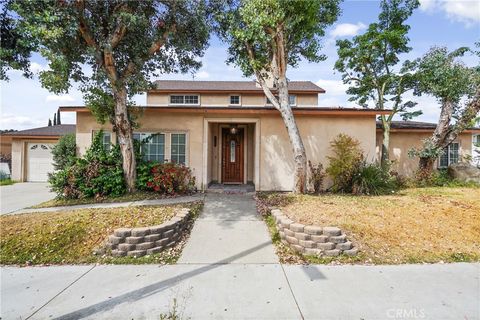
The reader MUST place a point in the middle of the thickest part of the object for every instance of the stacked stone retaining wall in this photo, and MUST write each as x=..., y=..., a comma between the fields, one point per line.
x=149, y=240
x=312, y=240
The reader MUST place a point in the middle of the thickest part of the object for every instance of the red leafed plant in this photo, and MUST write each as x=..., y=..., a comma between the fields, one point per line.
x=171, y=179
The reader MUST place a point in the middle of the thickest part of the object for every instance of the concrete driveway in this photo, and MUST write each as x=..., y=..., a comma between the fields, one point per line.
x=23, y=195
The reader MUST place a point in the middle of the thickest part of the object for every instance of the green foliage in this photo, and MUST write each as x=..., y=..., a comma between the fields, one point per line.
x=343, y=164
x=15, y=45
x=369, y=62
x=440, y=73
x=166, y=178
x=65, y=152
x=317, y=175
x=256, y=24
x=428, y=150
x=373, y=179
x=98, y=174
x=441, y=178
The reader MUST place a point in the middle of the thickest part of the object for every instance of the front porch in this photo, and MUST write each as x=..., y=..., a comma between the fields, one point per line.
x=231, y=154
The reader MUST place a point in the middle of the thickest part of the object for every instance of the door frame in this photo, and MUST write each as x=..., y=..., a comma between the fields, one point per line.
x=220, y=151
x=206, y=141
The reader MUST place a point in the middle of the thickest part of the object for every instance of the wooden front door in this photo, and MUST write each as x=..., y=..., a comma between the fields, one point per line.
x=232, y=156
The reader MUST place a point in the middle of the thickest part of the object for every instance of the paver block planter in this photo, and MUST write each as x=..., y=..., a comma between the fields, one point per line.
x=138, y=242
x=312, y=240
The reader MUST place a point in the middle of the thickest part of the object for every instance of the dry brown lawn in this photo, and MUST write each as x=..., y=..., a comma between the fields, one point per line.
x=414, y=225
x=71, y=236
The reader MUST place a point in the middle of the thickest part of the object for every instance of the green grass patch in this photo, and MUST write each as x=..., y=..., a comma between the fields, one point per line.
x=71, y=237
x=7, y=182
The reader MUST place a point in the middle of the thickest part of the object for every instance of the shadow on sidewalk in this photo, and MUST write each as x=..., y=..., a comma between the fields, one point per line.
x=153, y=288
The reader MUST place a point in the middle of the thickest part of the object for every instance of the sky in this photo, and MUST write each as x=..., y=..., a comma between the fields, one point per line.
x=25, y=104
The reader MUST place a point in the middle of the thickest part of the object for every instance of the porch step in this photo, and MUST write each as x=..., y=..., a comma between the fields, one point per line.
x=231, y=188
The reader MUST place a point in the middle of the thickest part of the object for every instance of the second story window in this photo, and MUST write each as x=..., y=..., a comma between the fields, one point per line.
x=184, y=99
x=292, y=100
x=235, y=100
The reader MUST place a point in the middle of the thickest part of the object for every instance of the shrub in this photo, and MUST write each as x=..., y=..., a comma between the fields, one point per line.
x=167, y=178
x=99, y=173
x=373, y=179
x=317, y=175
x=343, y=164
x=65, y=152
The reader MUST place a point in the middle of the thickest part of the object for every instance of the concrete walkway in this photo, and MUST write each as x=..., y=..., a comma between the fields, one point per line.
x=156, y=202
x=229, y=230
x=22, y=195
x=242, y=291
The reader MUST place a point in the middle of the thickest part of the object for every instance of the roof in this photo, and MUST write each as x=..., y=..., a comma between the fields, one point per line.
x=229, y=86
x=50, y=131
x=415, y=125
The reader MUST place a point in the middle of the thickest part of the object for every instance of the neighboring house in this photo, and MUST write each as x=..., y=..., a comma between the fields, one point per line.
x=31, y=151
x=227, y=132
x=405, y=135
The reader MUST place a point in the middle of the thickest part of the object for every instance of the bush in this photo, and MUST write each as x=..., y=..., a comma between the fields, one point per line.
x=441, y=178
x=65, y=152
x=99, y=173
x=344, y=163
x=317, y=175
x=373, y=179
x=167, y=178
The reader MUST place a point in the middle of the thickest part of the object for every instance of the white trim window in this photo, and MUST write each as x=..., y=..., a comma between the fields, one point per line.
x=235, y=100
x=184, y=99
x=178, y=148
x=153, y=148
x=106, y=139
x=292, y=100
x=449, y=156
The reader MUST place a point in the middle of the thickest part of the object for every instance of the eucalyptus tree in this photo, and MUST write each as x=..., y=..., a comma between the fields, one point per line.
x=113, y=48
x=267, y=36
x=456, y=86
x=15, y=47
x=370, y=64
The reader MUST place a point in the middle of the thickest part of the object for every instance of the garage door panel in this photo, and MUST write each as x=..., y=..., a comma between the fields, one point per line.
x=40, y=161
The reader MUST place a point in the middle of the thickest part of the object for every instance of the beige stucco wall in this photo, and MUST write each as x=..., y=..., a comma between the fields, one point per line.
x=402, y=142
x=276, y=163
x=275, y=156
x=223, y=99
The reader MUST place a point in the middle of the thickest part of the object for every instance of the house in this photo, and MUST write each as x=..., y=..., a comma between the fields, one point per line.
x=228, y=132
x=31, y=151
x=405, y=135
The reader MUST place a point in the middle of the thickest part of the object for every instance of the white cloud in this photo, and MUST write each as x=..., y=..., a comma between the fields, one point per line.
x=333, y=87
x=202, y=75
x=12, y=121
x=464, y=11
x=37, y=67
x=59, y=98
x=347, y=30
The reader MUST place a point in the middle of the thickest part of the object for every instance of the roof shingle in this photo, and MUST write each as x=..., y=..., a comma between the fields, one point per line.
x=186, y=85
x=54, y=131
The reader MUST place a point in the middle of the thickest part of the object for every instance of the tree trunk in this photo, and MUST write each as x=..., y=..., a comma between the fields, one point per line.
x=125, y=139
x=438, y=139
x=385, y=156
x=425, y=167
x=299, y=155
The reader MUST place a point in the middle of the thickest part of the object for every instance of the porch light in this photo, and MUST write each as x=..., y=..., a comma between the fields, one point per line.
x=233, y=129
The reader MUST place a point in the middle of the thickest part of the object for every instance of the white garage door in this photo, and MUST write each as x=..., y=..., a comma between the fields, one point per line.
x=40, y=161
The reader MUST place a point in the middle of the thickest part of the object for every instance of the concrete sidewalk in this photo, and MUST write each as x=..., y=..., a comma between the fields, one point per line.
x=229, y=230
x=242, y=291
x=155, y=202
